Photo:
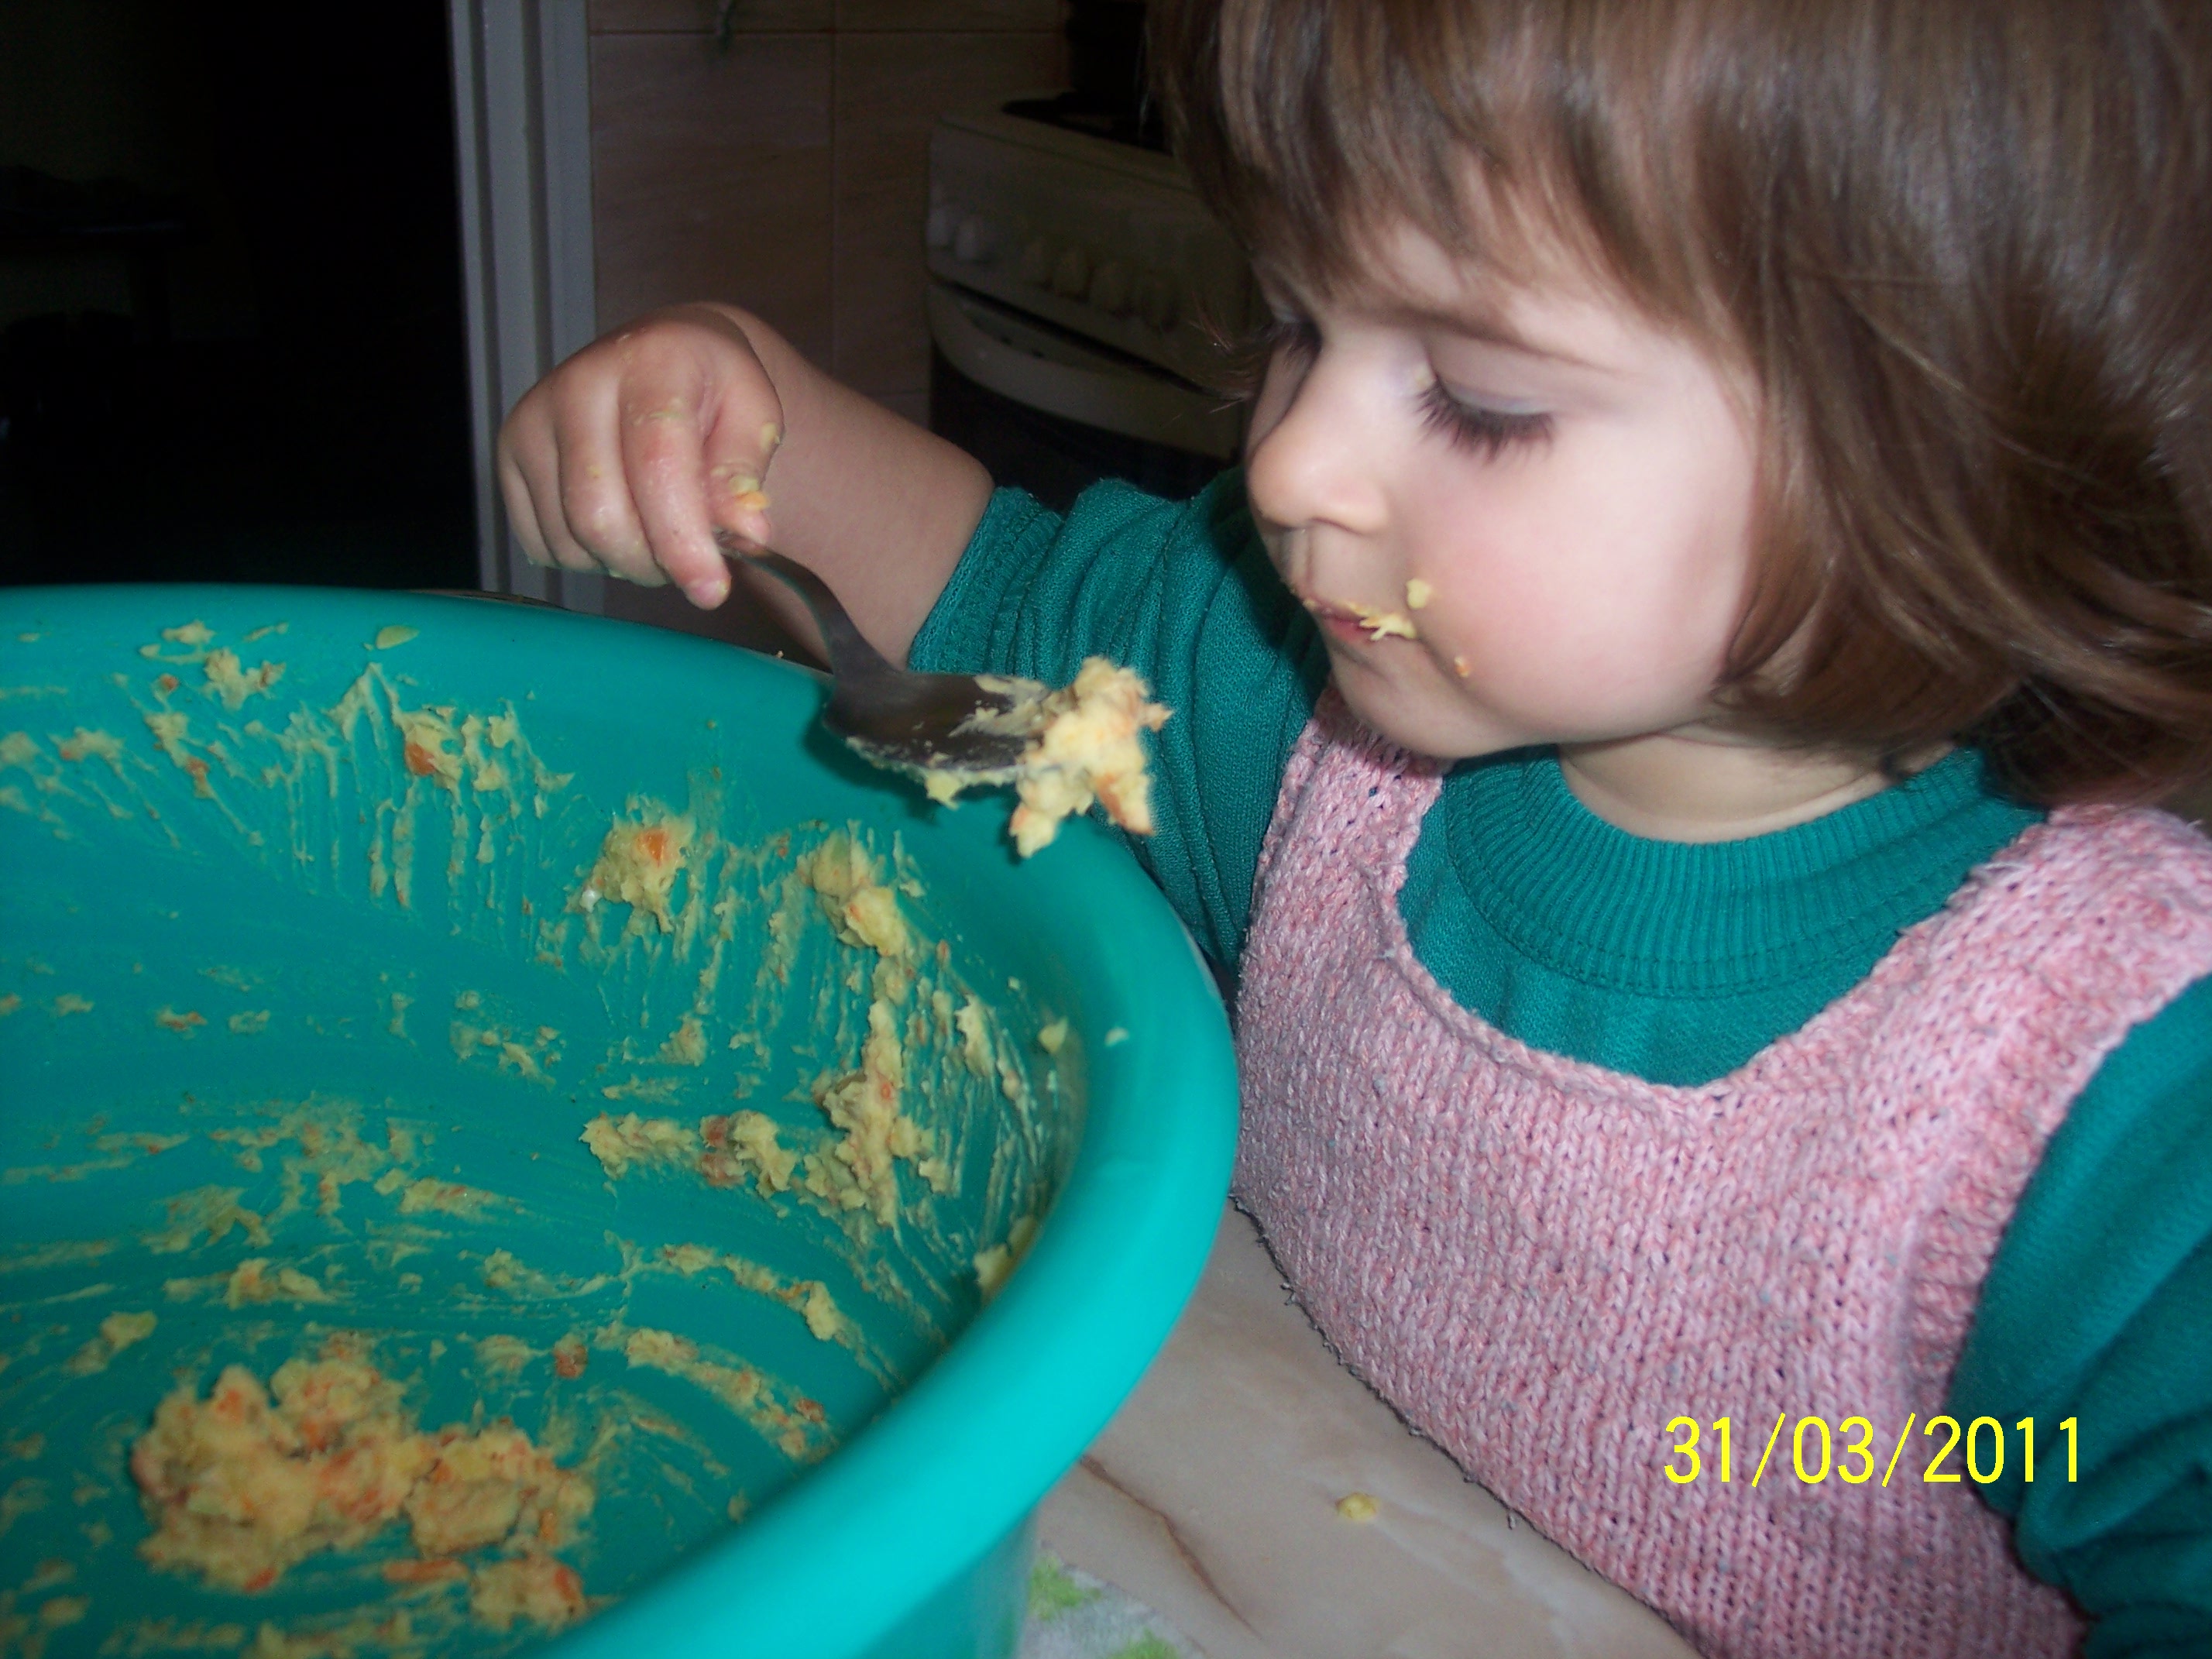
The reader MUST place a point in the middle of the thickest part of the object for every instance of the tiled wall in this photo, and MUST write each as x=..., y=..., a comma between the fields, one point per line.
x=786, y=169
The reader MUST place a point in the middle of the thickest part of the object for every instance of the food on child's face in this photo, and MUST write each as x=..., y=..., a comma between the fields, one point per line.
x=1383, y=624
x=247, y=1483
x=1083, y=748
x=1417, y=594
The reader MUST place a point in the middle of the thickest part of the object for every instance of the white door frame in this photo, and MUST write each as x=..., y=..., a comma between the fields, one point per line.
x=522, y=86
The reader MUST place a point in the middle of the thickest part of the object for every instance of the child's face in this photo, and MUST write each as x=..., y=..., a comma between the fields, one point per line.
x=1552, y=492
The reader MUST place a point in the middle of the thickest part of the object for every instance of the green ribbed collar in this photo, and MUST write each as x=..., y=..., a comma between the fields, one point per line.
x=1570, y=892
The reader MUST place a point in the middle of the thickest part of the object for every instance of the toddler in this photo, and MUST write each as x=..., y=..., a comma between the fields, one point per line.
x=1723, y=551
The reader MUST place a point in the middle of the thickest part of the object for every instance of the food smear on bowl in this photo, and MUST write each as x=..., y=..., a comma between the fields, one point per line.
x=251, y=1480
x=1082, y=748
x=720, y=1144
x=638, y=865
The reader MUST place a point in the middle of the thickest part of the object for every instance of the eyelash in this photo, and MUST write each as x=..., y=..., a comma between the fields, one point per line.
x=1489, y=431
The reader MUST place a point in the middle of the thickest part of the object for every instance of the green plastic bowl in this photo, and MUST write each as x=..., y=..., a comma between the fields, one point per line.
x=299, y=968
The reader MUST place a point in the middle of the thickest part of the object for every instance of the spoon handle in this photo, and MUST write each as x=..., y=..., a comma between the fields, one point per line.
x=852, y=658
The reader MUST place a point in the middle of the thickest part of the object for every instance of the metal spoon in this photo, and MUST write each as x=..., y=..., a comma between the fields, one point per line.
x=908, y=722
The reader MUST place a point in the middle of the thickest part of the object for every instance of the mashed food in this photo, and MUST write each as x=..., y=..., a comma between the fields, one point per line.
x=1083, y=748
x=247, y=1483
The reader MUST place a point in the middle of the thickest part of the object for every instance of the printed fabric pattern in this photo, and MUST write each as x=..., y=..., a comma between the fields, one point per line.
x=1541, y=1262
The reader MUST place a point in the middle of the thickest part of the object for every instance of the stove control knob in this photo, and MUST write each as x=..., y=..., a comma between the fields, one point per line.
x=975, y=240
x=1037, y=258
x=1110, y=287
x=1071, y=272
x=944, y=223
x=1159, y=298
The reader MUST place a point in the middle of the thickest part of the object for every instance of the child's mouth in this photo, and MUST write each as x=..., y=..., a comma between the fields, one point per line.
x=1359, y=624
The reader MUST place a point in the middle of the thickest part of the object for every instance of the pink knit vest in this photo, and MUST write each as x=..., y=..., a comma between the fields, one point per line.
x=1541, y=1262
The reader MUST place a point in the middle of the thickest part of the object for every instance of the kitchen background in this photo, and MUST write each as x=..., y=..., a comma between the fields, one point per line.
x=231, y=293
x=230, y=304
x=233, y=338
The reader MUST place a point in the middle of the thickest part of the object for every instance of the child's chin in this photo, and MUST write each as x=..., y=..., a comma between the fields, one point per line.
x=1394, y=722
x=1445, y=737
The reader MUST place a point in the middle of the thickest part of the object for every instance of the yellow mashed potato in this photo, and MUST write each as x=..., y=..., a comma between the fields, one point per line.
x=1083, y=748
x=247, y=1483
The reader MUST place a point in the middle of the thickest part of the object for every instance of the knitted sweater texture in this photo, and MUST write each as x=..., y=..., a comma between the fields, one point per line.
x=1542, y=1263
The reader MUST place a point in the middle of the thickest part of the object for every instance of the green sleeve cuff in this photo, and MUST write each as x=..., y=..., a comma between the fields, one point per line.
x=955, y=637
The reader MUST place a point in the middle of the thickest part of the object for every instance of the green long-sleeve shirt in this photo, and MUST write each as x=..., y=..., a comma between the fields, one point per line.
x=1676, y=962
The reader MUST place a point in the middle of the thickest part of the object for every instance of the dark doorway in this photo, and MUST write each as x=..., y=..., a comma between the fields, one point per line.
x=232, y=341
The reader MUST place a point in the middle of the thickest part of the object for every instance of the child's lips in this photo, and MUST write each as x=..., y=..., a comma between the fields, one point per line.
x=1358, y=625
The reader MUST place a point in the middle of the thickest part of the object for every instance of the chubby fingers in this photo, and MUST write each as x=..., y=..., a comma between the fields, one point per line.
x=529, y=469
x=560, y=475
x=697, y=467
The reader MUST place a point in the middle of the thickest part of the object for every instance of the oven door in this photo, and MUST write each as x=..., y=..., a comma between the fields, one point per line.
x=1052, y=414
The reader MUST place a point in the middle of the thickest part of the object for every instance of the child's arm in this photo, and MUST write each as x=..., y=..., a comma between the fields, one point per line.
x=629, y=456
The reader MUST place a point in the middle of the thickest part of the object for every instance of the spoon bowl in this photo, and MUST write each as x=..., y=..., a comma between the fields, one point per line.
x=920, y=724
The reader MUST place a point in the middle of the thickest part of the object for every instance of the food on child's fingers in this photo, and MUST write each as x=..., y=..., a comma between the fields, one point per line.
x=1082, y=747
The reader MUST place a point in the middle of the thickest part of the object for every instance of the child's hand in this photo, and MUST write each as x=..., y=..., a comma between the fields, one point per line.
x=630, y=455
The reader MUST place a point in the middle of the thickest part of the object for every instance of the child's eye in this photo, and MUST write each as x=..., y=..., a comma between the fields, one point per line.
x=1489, y=431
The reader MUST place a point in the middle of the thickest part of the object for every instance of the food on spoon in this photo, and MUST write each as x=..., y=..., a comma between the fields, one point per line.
x=1083, y=747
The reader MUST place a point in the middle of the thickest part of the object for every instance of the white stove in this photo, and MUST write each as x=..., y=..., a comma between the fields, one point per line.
x=1079, y=277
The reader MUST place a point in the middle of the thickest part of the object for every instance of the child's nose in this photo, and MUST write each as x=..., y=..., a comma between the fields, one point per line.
x=1311, y=462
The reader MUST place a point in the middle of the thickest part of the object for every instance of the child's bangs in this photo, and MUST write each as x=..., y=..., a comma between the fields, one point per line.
x=1312, y=127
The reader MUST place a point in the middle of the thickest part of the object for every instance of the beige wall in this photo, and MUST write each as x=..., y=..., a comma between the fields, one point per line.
x=786, y=169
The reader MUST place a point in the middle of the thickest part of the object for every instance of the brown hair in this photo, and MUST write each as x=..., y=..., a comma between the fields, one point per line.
x=1963, y=249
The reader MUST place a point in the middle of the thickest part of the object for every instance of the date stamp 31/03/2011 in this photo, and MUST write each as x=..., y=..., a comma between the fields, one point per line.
x=1852, y=1454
